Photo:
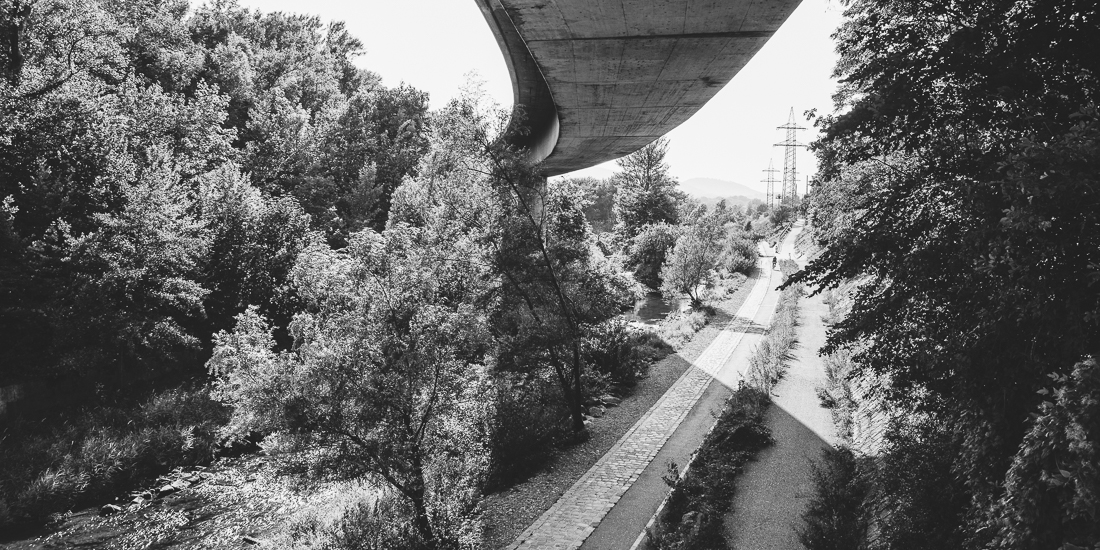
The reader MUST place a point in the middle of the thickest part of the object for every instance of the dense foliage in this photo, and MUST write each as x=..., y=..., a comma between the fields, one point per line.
x=645, y=193
x=157, y=166
x=960, y=183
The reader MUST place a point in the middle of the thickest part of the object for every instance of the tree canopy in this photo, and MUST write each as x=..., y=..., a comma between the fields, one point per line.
x=959, y=183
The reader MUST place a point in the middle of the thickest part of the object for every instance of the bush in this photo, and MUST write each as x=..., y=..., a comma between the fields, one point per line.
x=679, y=327
x=767, y=364
x=838, y=391
x=610, y=348
x=739, y=253
x=649, y=346
x=529, y=420
x=693, y=514
x=648, y=251
x=378, y=524
x=835, y=518
x=96, y=455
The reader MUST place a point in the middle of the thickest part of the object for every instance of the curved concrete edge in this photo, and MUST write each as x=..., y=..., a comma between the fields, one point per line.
x=535, y=125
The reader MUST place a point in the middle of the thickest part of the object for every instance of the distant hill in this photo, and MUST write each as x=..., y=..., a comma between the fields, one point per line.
x=736, y=200
x=711, y=187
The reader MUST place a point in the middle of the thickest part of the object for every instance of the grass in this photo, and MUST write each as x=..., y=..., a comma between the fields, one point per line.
x=47, y=468
x=678, y=328
x=692, y=518
x=768, y=362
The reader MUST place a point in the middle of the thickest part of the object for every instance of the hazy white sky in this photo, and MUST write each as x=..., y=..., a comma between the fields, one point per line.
x=433, y=44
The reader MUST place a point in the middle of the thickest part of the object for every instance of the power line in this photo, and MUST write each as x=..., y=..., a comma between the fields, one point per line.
x=771, y=181
x=790, y=170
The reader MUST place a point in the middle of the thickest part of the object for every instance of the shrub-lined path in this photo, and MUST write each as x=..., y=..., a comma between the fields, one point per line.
x=773, y=491
x=609, y=506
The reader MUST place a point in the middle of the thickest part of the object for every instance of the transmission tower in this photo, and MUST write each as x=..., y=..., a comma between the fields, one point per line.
x=790, y=172
x=771, y=181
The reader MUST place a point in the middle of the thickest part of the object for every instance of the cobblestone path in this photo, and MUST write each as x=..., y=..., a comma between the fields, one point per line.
x=577, y=513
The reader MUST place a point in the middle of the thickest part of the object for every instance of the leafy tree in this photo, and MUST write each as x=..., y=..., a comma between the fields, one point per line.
x=739, y=251
x=254, y=242
x=645, y=192
x=964, y=163
x=551, y=284
x=600, y=206
x=1052, y=487
x=384, y=378
x=649, y=251
x=693, y=259
x=134, y=294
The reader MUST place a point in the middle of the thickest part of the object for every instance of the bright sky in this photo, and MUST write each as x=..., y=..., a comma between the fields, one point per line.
x=434, y=44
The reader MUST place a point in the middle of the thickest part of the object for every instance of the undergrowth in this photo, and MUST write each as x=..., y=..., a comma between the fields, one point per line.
x=768, y=361
x=692, y=518
x=94, y=455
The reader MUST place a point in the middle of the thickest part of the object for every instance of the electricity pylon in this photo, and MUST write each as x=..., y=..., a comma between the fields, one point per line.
x=790, y=171
x=771, y=181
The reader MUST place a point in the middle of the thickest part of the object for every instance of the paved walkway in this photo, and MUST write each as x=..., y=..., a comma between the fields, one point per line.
x=774, y=490
x=580, y=510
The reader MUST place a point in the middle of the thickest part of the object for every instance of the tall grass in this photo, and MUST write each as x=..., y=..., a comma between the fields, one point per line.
x=768, y=361
x=96, y=455
x=679, y=327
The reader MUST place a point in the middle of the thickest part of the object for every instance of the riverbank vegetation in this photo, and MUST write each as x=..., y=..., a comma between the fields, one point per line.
x=958, y=188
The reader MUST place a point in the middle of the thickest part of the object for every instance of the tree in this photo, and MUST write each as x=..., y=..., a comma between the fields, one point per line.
x=134, y=294
x=600, y=202
x=692, y=261
x=254, y=241
x=385, y=378
x=538, y=244
x=645, y=192
x=965, y=163
x=649, y=252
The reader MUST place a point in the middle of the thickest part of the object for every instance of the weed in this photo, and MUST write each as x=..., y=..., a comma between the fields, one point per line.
x=95, y=455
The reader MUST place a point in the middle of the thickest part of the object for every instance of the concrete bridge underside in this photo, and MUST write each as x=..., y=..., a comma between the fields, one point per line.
x=599, y=79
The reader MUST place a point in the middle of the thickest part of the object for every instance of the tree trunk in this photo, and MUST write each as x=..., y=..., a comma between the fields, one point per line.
x=578, y=410
x=570, y=386
x=420, y=508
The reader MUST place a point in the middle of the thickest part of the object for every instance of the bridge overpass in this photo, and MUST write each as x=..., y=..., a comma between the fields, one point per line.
x=599, y=79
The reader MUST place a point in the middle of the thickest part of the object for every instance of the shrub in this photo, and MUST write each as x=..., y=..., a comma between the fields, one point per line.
x=609, y=348
x=739, y=253
x=380, y=523
x=767, y=363
x=648, y=251
x=693, y=514
x=838, y=391
x=679, y=327
x=835, y=518
x=529, y=421
x=97, y=455
x=649, y=346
